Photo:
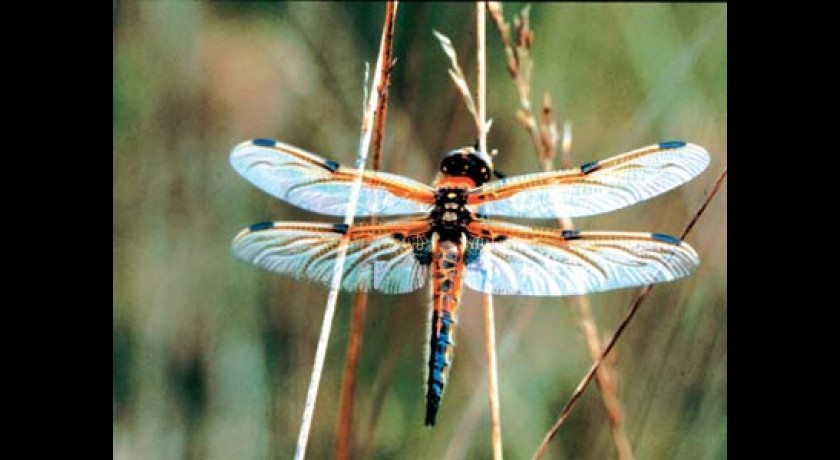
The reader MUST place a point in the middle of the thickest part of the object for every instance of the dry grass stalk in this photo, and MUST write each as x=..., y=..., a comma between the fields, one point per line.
x=344, y=432
x=606, y=375
x=544, y=137
x=372, y=104
x=343, y=435
x=519, y=66
x=619, y=330
x=489, y=319
x=479, y=113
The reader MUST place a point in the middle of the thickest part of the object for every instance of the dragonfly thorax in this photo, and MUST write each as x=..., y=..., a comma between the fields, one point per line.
x=450, y=214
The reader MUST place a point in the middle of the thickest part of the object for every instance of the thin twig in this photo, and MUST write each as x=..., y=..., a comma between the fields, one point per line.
x=335, y=284
x=343, y=438
x=343, y=444
x=570, y=404
x=489, y=319
x=606, y=374
x=544, y=137
x=382, y=112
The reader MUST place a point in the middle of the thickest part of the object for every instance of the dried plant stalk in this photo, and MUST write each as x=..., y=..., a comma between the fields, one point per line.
x=489, y=319
x=544, y=137
x=586, y=322
x=634, y=307
x=479, y=113
x=343, y=435
x=344, y=428
x=372, y=104
x=519, y=66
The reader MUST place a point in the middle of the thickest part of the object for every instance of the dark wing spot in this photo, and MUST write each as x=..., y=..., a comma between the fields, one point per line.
x=264, y=142
x=589, y=167
x=261, y=226
x=570, y=234
x=671, y=144
x=665, y=238
x=340, y=228
x=332, y=166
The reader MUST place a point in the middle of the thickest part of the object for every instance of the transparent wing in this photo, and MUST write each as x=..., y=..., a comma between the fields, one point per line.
x=320, y=185
x=595, y=187
x=521, y=260
x=379, y=257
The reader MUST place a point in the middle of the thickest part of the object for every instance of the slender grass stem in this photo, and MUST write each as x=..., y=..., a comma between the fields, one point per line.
x=343, y=435
x=634, y=307
x=344, y=428
x=606, y=374
x=372, y=105
x=489, y=318
x=544, y=136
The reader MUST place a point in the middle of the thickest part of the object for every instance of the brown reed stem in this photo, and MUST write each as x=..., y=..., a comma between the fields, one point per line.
x=634, y=307
x=371, y=107
x=344, y=427
x=343, y=445
x=343, y=435
x=544, y=138
x=583, y=307
x=382, y=112
x=605, y=377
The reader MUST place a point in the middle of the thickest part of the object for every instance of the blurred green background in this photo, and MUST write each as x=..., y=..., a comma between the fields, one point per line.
x=211, y=356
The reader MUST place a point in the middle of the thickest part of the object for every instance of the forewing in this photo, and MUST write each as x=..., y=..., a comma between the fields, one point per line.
x=526, y=261
x=379, y=257
x=320, y=185
x=595, y=187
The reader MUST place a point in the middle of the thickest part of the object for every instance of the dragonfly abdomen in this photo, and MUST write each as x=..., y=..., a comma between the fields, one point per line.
x=447, y=277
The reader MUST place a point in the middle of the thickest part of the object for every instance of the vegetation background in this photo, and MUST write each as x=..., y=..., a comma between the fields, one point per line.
x=211, y=356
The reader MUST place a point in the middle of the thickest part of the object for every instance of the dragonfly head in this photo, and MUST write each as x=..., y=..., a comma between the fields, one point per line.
x=469, y=162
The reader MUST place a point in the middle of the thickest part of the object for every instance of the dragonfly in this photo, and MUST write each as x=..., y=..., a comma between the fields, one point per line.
x=448, y=233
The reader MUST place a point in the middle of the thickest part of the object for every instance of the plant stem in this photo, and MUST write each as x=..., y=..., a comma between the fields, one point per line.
x=343, y=436
x=605, y=374
x=335, y=285
x=634, y=307
x=544, y=138
x=489, y=320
